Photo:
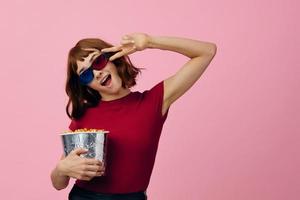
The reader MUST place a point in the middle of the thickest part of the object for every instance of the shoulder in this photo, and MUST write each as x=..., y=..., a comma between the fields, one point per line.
x=156, y=90
x=155, y=96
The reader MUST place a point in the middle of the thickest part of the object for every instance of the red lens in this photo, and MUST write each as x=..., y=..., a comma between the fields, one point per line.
x=100, y=62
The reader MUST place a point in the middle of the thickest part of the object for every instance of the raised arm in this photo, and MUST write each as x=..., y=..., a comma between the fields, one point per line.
x=200, y=54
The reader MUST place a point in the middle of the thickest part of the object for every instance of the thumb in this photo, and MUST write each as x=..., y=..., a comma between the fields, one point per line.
x=125, y=37
x=79, y=151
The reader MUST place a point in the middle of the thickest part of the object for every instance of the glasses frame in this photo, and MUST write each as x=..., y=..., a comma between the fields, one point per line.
x=87, y=75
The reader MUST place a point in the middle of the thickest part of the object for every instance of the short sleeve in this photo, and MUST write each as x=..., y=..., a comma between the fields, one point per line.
x=156, y=96
x=73, y=125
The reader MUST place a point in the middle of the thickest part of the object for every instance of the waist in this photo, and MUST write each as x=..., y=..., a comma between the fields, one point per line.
x=80, y=192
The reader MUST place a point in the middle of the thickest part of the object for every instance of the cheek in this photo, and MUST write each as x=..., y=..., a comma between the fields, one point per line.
x=113, y=71
x=117, y=77
x=94, y=85
x=111, y=67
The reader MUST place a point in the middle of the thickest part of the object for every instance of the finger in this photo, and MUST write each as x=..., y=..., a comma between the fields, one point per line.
x=122, y=53
x=112, y=49
x=125, y=37
x=91, y=161
x=132, y=50
x=101, y=169
x=91, y=49
x=124, y=42
x=93, y=168
x=62, y=156
x=79, y=151
x=117, y=55
x=100, y=173
x=92, y=174
x=84, y=178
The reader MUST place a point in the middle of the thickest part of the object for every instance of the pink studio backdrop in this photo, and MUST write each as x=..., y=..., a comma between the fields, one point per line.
x=233, y=136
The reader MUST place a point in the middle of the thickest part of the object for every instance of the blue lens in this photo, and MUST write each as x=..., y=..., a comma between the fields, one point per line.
x=87, y=76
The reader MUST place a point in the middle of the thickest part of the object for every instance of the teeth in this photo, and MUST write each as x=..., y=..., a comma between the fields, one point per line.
x=104, y=79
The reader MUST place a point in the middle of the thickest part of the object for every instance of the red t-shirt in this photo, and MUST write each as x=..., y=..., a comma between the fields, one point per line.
x=134, y=123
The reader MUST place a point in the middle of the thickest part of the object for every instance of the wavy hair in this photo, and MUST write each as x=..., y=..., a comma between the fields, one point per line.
x=81, y=97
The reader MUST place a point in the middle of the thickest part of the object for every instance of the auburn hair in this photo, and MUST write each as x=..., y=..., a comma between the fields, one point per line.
x=81, y=97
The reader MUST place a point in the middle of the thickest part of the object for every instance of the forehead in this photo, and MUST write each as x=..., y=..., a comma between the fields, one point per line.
x=87, y=60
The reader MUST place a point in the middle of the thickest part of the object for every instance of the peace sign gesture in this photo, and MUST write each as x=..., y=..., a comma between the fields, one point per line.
x=130, y=43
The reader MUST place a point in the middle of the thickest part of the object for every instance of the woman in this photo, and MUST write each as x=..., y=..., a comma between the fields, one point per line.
x=98, y=85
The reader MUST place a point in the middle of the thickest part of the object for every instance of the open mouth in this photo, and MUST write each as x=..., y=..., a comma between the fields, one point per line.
x=106, y=80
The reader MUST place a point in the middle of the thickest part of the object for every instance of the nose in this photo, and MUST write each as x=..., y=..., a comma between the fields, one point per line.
x=97, y=74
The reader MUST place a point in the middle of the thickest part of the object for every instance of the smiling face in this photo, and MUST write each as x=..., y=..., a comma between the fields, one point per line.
x=106, y=81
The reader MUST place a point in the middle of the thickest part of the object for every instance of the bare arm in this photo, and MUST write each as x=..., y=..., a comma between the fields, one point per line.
x=76, y=167
x=200, y=54
x=59, y=181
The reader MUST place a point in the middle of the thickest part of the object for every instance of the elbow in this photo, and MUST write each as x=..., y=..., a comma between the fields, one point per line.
x=59, y=187
x=58, y=184
x=209, y=51
x=212, y=49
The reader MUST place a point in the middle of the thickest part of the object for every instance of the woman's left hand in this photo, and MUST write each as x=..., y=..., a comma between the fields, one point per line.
x=130, y=43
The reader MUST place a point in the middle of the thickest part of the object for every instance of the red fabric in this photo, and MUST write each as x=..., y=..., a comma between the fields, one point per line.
x=135, y=123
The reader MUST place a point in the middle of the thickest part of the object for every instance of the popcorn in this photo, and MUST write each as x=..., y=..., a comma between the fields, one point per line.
x=85, y=130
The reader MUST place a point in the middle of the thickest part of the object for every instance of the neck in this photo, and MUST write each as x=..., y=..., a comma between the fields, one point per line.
x=109, y=97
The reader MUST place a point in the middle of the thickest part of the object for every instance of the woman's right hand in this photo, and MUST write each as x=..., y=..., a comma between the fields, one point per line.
x=130, y=43
x=80, y=168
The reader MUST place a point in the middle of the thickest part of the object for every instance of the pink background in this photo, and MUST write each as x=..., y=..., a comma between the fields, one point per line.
x=233, y=136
